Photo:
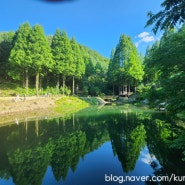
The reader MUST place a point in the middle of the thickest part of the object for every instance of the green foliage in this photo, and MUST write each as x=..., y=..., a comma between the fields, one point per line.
x=154, y=94
x=78, y=62
x=77, y=59
x=40, y=51
x=95, y=57
x=60, y=143
x=94, y=80
x=110, y=73
x=172, y=14
x=51, y=90
x=56, y=48
x=178, y=143
x=67, y=56
x=64, y=65
x=125, y=67
x=41, y=56
x=165, y=62
x=94, y=90
x=29, y=56
x=20, y=58
x=65, y=90
x=6, y=44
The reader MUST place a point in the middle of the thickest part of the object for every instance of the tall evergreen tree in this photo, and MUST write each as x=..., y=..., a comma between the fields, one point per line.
x=41, y=55
x=6, y=45
x=78, y=62
x=110, y=72
x=67, y=66
x=56, y=48
x=167, y=60
x=127, y=64
x=20, y=59
x=151, y=72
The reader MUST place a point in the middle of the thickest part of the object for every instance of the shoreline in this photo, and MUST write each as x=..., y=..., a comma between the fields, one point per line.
x=31, y=107
x=8, y=105
x=41, y=107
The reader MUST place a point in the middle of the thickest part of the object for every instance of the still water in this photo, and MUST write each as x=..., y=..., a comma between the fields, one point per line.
x=96, y=146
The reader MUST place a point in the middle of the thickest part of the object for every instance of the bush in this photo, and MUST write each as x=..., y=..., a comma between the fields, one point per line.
x=94, y=91
x=85, y=91
x=65, y=90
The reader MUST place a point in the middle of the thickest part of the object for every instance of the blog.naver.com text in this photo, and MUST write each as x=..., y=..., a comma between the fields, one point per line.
x=122, y=179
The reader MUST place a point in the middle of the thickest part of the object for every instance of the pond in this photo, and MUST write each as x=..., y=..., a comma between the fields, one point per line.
x=96, y=146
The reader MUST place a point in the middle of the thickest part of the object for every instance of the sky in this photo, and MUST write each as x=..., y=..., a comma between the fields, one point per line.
x=97, y=24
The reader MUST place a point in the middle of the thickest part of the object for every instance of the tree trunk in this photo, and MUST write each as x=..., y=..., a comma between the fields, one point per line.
x=37, y=84
x=128, y=88
x=27, y=81
x=125, y=88
x=113, y=91
x=23, y=79
x=77, y=88
x=58, y=84
x=73, y=88
x=135, y=86
x=64, y=84
x=37, y=127
x=40, y=83
x=74, y=121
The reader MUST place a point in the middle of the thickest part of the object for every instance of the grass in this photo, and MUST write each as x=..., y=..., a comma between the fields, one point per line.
x=12, y=89
x=181, y=115
x=70, y=104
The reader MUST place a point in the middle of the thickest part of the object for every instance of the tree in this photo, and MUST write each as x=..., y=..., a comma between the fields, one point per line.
x=99, y=69
x=167, y=60
x=20, y=59
x=87, y=79
x=151, y=72
x=6, y=45
x=41, y=55
x=67, y=66
x=77, y=61
x=126, y=64
x=56, y=48
x=173, y=13
x=172, y=65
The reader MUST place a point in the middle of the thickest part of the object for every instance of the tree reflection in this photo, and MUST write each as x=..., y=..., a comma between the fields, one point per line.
x=66, y=154
x=128, y=138
x=161, y=145
x=29, y=148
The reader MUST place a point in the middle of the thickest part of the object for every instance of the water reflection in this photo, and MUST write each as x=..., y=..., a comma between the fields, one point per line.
x=32, y=151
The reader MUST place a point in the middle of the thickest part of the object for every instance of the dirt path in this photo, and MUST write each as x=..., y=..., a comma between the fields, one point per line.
x=11, y=108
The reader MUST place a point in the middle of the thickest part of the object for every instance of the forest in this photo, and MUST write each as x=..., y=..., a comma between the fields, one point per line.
x=53, y=64
x=33, y=63
x=59, y=64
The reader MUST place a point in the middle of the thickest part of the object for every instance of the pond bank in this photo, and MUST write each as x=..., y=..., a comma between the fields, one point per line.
x=31, y=107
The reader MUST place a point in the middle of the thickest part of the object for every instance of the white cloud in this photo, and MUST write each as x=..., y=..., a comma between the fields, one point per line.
x=147, y=159
x=147, y=39
x=144, y=37
x=143, y=34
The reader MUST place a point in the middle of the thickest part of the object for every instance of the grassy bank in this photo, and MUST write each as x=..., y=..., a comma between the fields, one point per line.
x=38, y=107
x=70, y=104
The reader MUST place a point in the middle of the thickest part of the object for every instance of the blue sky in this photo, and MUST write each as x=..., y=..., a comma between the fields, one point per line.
x=97, y=24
